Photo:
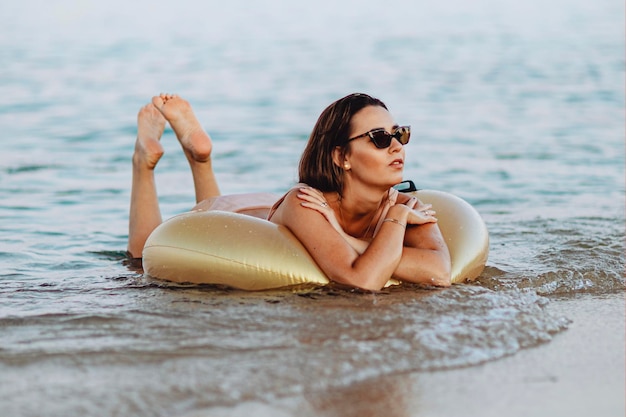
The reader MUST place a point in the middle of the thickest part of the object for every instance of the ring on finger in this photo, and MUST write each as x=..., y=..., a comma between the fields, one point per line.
x=324, y=204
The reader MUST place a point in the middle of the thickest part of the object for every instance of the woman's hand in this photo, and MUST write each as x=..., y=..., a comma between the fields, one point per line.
x=315, y=200
x=420, y=213
x=426, y=259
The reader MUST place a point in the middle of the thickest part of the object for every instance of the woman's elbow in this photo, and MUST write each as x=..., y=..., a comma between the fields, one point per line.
x=443, y=269
x=439, y=273
x=362, y=282
x=443, y=276
x=442, y=281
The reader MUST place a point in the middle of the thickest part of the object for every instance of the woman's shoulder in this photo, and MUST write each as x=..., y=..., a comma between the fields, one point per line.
x=288, y=199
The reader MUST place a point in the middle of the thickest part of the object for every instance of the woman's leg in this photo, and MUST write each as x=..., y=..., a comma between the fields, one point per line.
x=195, y=141
x=145, y=214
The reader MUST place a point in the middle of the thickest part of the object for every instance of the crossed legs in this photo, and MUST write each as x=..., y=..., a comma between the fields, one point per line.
x=145, y=214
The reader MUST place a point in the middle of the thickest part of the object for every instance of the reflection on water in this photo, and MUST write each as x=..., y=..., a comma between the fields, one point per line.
x=385, y=396
x=379, y=397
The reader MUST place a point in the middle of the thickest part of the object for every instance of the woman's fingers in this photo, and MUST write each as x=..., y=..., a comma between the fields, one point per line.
x=314, y=201
x=422, y=216
x=412, y=203
x=423, y=213
x=313, y=196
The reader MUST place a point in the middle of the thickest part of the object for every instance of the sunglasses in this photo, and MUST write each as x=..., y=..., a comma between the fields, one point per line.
x=382, y=139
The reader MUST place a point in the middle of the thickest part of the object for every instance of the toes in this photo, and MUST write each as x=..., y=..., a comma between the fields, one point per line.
x=167, y=96
x=150, y=111
x=158, y=101
x=143, y=112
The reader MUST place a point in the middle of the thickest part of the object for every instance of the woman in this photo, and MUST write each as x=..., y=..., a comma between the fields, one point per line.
x=358, y=229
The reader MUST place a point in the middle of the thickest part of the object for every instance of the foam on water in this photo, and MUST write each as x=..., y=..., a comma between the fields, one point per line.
x=233, y=346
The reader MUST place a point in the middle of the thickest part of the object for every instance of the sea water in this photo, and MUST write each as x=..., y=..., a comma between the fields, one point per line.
x=517, y=107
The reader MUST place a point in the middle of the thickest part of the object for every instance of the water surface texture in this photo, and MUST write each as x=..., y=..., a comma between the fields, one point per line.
x=517, y=107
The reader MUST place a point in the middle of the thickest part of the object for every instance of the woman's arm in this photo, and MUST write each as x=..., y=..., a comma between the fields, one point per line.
x=311, y=198
x=335, y=256
x=425, y=257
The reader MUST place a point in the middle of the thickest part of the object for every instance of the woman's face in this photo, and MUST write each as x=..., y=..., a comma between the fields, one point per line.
x=366, y=162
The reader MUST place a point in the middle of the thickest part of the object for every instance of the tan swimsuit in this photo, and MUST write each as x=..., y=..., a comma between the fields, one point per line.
x=252, y=204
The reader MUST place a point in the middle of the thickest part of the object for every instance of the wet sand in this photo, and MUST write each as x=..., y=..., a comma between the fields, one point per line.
x=581, y=372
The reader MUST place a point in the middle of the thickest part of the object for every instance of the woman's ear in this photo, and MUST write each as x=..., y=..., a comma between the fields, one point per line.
x=339, y=158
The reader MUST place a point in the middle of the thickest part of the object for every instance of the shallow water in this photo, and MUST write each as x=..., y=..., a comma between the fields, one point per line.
x=517, y=108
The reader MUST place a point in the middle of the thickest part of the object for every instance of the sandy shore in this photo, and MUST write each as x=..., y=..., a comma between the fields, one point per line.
x=581, y=372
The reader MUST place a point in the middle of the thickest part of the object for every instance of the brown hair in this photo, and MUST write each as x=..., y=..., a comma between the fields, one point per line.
x=332, y=129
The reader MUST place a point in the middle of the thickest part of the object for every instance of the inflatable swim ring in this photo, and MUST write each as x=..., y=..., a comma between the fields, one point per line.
x=240, y=251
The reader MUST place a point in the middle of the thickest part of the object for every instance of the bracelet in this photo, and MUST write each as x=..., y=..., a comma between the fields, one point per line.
x=398, y=222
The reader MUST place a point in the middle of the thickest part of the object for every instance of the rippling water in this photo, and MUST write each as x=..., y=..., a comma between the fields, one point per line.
x=517, y=108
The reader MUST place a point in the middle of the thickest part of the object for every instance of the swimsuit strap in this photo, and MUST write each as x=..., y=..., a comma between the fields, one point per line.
x=280, y=200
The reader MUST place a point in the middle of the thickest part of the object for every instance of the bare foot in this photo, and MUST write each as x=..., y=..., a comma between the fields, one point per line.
x=195, y=141
x=150, y=125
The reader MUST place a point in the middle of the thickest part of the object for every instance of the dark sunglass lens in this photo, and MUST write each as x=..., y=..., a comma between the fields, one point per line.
x=381, y=139
x=403, y=135
x=404, y=138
